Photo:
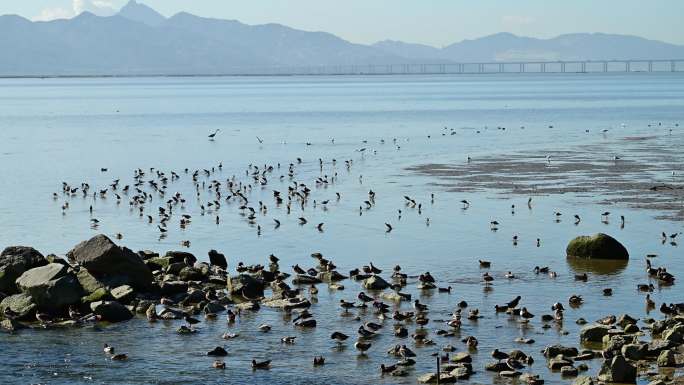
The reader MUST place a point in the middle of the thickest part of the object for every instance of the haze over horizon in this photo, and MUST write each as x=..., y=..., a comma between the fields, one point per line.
x=436, y=23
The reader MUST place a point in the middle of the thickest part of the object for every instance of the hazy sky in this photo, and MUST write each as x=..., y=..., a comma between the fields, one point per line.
x=435, y=22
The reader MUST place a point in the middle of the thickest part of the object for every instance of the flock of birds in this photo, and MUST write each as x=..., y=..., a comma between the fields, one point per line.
x=149, y=196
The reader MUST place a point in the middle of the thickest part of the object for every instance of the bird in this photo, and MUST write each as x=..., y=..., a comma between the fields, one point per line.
x=212, y=136
x=261, y=365
x=108, y=349
x=362, y=346
x=388, y=227
x=339, y=337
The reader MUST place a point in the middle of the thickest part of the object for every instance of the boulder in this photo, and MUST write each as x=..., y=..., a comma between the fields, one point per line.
x=111, y=311
x=158, y=263
x=303, y=279
x=618, y=370
x=667, y=359
x=107, y=261
x=88, y=282
x=123, y=293
x=14, y=261
x=173, y=287
x=20, y=304
x=51, y=286
x=674, y=334
x=599, y=246
x=100, y=294
x=218, y=259
x=635, y=351
x=331, y=276
x=625, y=320
x=375, y=282
x=431, y=378
x=246, y=286
x=461, y=357
x=594, y=333
x=554, y=350
x=11, y=325
x=496, y=366
x=190, y=274
x=569, y=371
x=558, y=362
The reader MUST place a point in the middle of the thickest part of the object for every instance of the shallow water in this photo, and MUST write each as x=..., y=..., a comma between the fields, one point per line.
x=56, y=130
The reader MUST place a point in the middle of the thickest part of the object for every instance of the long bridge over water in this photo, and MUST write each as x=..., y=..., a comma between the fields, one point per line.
x=576, y=66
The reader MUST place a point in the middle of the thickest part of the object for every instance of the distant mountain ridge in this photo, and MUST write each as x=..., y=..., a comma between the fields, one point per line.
x=140, y=41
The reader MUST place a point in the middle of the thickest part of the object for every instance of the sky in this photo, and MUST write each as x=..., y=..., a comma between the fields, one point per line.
x=433, y=22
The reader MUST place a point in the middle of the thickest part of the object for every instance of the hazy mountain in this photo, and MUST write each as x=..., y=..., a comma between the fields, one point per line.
x=140, y=41
x=140, y=12
x=509, y=47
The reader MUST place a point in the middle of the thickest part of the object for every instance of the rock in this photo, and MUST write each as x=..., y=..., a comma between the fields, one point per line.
x=461, y=372
x=217, y=352
x=594, y=333
x=20, y=304
x=287, y=303
x=213, y=307
x=530, y=379
x=88, y=282
x=631, y=329
x=173, y=287
x=657, y=382
x=111, y=263
x=218, y=259
x=147, y=254
x=190, y=274
x=635, y=351
x=248, y=305
x=585, y=356
x=431, y=378
x=303, y=279
x=582, y=367
x=111, y=311
x=391, y=296
x=625, y=320
x=674, y=334
x=158, y=263
x=618, y=370
x=11, y=325
x=569, y=371
x=461, y=357
x=123, y=293
x=584, y=380
x=599, y=246
x=181, y=257
x=100, y=294
x=331, y=276
x=246, y=286
x=14, y=261
x=558, y=362
x=497, y=366
x=667, y=359
x=375, y=282
x=51, y=286
x=555, y=350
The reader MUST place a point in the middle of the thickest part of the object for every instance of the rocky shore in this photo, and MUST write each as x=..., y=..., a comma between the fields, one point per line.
x=100, y=281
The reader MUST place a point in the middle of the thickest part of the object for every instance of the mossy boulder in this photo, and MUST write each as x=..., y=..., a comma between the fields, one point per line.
x=20, y=304
x=14, y=261
x=598, y=246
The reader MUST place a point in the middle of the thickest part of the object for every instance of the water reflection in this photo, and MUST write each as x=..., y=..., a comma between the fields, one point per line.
x=594, y=266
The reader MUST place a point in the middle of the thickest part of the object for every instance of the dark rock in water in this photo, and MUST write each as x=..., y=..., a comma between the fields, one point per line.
x=111, y=311
x=625, y=320
x=147, y=254
x=14, y=261
x=461, y=357
x=569, y=371
x=246, y=286
x=213, y=307
x=303, y=279
x=266, y=276
x=51, y=286
x=217, y=352
x=594, y=333
x=599, y=246
x=554, y=350
x=20, y=304
x=558, y=362
x=631, y=329
x=105, y=260
x=375, y=282
x=497, y=366
x=218, y=259
x=635, y=351
x=331, y=276
x=618, y=370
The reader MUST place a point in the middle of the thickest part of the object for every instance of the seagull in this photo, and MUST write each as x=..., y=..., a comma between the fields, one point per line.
x=260, y=140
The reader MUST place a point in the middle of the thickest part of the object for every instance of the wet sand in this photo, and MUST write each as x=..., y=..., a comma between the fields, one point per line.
x=642, y=176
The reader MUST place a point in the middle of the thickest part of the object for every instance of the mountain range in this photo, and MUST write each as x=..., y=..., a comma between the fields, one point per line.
x=140, y=41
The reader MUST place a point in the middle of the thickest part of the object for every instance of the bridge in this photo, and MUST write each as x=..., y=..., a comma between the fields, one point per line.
x=576, y=66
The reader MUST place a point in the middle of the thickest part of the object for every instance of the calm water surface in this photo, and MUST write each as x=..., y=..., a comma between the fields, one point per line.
x=56, y=130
